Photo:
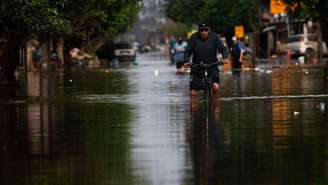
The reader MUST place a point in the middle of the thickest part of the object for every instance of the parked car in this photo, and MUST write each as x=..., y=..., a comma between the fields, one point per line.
x=302, y=45
x=125, y=52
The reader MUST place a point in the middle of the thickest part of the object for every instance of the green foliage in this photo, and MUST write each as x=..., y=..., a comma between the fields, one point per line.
x=85, y=19
x=185, y=10
x=33, y=16
x=177, y=29
x=92, y=18
x=309, y=8
x=222, y=15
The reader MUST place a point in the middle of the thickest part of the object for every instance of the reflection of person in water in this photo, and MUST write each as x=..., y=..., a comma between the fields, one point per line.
x=208, y=142
x=236, y=84
x=194, y=105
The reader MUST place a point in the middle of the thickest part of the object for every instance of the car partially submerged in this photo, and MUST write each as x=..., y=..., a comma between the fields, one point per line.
x=125, y=52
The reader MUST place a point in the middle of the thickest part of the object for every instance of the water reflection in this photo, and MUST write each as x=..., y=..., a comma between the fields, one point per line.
x=130, y=126
x=160, y=153
x=54, y=139
x=277, y=136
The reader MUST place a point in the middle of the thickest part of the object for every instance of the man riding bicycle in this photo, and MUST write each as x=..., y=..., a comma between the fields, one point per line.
x=204, y=46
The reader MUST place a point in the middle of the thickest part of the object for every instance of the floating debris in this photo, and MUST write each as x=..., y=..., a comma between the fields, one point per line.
x=156, y=72
x=322, y=106
x=135, y=63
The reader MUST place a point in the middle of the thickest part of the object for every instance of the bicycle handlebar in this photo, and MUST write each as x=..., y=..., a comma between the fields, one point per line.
x=201, y=65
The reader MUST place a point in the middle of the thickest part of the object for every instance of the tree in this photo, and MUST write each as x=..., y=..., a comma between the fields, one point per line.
x=92, y=19
x=25, y=17
x=186, y=11
x=81, y=18
x=80, y=21
x=222, y=15
x=176, y=29
x=19, y=19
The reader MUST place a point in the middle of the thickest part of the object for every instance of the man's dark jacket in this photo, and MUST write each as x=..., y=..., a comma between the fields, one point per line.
x=204, y=50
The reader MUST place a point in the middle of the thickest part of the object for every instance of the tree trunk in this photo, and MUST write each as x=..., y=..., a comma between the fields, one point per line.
x=9, y=61
x=29, y=47
x=324, y=29
x=60, y=51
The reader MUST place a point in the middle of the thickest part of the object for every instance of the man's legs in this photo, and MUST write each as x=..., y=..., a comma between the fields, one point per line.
x=215, y=77
x=216, y=98
x=216, y=88
x=180, y=67
x=195, y=85
x=193, y=100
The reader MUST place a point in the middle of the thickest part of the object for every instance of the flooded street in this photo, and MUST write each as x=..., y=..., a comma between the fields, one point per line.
x=134, y=125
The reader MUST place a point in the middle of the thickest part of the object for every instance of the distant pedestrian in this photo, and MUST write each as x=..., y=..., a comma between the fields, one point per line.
x=236, y=53
x=54, y=56
x=171, y=45
x=37, y=55
x=179, y=49
x=54, y=59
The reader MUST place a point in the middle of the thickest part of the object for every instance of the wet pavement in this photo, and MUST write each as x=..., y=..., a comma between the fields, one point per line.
x=134, y=125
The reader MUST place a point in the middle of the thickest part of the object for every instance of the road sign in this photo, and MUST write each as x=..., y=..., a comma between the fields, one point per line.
x=278, y=7
x=239, y=31
x=191, y=32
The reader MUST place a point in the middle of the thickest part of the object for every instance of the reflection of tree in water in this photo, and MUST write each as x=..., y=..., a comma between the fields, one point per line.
x=60, y=140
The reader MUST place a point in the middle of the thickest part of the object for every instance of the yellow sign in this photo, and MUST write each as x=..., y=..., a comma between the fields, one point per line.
x=239, y=31
x=190, y=33
x=278, y=6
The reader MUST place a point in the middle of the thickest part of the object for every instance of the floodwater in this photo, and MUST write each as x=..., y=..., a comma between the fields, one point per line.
x=134, y=125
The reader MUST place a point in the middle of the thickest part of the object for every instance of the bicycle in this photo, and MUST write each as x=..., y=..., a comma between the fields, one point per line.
x=206, y=83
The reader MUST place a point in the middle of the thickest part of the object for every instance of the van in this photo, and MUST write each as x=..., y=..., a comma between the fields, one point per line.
x=125, y=52
x=304, y=45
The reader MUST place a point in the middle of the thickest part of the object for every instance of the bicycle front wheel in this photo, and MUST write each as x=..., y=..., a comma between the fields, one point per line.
x=207, y=99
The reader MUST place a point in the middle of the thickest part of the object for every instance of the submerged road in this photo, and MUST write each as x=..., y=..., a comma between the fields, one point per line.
x=133, y=125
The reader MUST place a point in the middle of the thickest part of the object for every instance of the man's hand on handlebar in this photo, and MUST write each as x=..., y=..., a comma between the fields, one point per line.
x=187, y=65
x=223, y=61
